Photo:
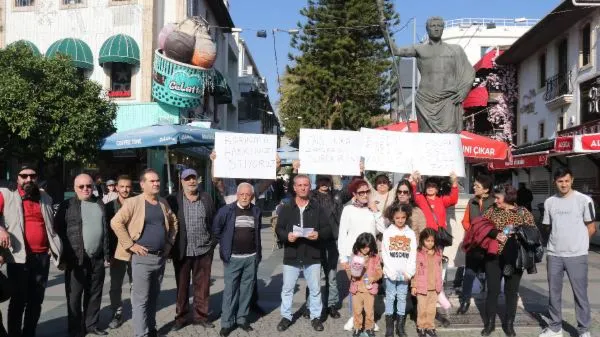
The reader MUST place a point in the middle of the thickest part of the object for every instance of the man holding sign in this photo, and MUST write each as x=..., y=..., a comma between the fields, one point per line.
x=302, y=225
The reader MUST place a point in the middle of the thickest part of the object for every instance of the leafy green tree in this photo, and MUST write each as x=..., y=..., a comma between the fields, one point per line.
x=340, y=77
x=48, y=109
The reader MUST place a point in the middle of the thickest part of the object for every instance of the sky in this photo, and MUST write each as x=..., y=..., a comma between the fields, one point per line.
x=251, y=15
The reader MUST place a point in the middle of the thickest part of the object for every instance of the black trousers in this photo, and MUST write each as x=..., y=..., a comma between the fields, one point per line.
x=493, y=272
x=84, y=281
x=28, y=282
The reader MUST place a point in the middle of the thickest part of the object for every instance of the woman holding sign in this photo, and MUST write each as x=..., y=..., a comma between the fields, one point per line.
x=361, y=216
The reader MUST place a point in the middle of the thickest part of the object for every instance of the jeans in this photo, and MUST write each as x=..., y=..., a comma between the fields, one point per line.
x=28, y=282
x=395, y=290
x=118, y=268
x=239, y=274
x=147, y=274
x=330, y=262
x=312, y=274
x=577, y=272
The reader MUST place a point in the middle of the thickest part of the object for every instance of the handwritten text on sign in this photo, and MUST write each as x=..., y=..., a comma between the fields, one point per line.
x=243, y=155
x=404, y=152
x=329, y=152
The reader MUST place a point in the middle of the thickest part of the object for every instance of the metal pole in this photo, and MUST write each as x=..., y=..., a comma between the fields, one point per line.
x=414, y=73
x=169, y=185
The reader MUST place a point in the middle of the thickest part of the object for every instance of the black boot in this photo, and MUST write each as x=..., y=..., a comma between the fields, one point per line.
x=389, y=325
x=443, y=318
x=400, y=322
x=489, y=327
x=464, y=307
x=508, y=327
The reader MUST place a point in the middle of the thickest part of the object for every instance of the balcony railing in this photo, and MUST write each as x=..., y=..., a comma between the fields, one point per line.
x=558, y=85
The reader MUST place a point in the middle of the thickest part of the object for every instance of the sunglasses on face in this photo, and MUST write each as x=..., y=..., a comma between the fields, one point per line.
x=361, y=193
x=82, y=187
x=25, y=175
x=403, y=192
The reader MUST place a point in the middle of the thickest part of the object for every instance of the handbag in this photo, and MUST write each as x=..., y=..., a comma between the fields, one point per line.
x=443, y=238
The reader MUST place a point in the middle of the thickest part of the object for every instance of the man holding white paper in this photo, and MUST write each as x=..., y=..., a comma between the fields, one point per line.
x=302, y=250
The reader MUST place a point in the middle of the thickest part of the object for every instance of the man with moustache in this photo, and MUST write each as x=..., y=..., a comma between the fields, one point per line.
x=193, y=249
x=26, y=225
x=237, y=228
x=118, y=268
x=81, y=224
x=145, y=227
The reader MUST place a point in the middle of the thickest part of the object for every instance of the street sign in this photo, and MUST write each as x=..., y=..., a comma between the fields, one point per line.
x=586, y=2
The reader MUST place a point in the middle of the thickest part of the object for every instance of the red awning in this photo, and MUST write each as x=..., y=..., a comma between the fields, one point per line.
x=474, y=146
x=521, y=161
x=478, y=96
x=578, y=143
x=486, y=62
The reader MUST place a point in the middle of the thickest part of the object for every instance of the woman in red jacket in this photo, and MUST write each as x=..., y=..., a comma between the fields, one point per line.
x=433, y=205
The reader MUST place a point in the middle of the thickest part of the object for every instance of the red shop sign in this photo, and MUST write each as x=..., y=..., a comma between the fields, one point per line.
x=563, y=144
x=523, y=161
x=590, y=142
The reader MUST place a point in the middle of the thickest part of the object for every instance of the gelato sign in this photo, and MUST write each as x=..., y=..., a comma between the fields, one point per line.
x=182, y=82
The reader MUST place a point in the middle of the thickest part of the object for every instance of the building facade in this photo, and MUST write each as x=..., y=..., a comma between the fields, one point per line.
x=557, y=63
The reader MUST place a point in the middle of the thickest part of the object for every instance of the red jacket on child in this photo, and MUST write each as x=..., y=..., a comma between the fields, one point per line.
x=419, y=281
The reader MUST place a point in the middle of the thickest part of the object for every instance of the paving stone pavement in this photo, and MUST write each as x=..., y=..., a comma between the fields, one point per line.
x=53, y=322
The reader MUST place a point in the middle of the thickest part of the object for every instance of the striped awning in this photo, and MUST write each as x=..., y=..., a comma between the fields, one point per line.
x=120, y=48
x=29, y=45
x=79, y=52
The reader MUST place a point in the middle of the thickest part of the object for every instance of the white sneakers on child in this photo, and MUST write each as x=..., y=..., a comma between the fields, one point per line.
x=547, y=332
x=349, y=326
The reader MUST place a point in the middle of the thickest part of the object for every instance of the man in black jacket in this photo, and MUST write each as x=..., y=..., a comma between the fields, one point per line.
x=80, y=222
x=302, y=226
x=193, y=249
x=118, y=268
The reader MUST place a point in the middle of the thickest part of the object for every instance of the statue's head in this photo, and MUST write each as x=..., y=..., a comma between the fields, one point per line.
x=435, y=28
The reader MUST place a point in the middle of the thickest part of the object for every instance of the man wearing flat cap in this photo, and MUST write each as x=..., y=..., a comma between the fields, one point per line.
x=27, y=227
x=192, y=252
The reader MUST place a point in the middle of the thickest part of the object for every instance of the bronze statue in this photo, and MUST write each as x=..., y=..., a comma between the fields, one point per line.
x=446, y=79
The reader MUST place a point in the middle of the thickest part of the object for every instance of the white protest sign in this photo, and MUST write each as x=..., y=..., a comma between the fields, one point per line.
x=334, y=152
x=387, y=151
x=438, y=154
x=245, y=155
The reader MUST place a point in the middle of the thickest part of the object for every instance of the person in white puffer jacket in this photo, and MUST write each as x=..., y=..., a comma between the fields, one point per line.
x=362, y=216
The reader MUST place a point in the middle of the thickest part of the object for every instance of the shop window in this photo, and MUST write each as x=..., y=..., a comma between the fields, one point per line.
x=120, y=80
x=24, y=3
x=541, y=128
x=525, y=136
x=585, y=45
x=542, y=70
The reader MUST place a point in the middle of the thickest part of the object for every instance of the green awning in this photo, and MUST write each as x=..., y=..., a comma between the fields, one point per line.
x=80, y=53
x=120, y=48
x=220, y=89
x=29, y=45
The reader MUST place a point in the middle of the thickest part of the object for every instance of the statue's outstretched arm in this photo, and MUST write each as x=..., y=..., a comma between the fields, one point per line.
x=409, y=51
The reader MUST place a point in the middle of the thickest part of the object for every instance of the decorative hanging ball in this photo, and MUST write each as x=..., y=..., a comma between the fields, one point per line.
x=205, y=49
x=164, y=32
x=179, y=46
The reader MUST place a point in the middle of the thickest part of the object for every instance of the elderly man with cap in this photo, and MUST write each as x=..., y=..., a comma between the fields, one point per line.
x=112, y=193
x=83, y=228
x=193, y=249
x=27, y=227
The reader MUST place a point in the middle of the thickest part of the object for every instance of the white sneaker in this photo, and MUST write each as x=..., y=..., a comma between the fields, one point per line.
x=349, y=326
x=586, y=334
x=376, y=328
x=547, y=332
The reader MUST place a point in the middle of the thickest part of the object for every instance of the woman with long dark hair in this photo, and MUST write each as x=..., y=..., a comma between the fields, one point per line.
x=505, y=215
x=404, y=196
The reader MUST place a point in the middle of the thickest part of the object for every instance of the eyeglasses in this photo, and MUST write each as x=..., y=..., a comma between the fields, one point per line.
x=361, y=193
x=82, y=187
x=25, y=175
x=403, y=192
x=188, y=178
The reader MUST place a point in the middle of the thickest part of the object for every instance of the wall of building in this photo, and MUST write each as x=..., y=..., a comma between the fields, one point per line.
x=94, y=22
x=529, y=79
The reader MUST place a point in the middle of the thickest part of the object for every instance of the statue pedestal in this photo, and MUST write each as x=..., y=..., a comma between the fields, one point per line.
x=454, y=218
